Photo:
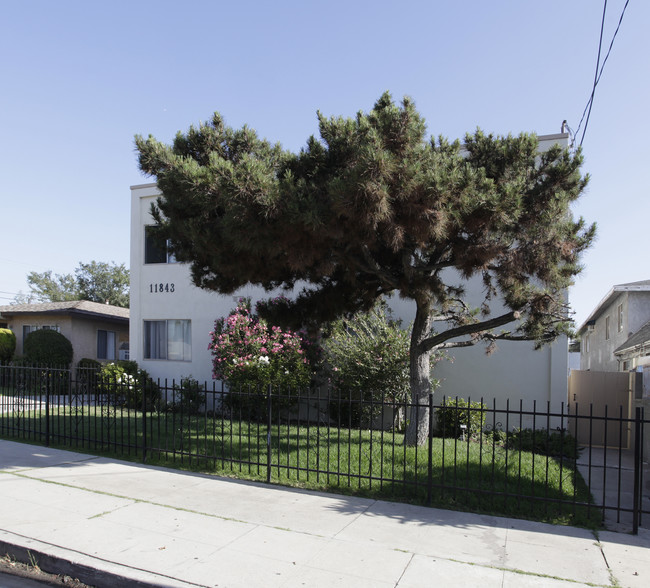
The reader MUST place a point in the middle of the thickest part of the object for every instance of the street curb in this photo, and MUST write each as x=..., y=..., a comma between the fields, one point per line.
x=93, y=576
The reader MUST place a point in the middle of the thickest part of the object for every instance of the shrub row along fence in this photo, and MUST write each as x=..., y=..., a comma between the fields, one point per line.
x=513, y=461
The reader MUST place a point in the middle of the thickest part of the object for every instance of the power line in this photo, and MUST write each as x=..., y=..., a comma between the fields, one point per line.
x=599, y=69
x=593, y=90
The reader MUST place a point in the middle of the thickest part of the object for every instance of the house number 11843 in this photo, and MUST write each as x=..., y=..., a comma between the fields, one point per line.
x=161, y=288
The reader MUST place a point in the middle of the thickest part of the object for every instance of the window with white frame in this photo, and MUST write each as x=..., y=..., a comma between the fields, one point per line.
x=587, y=343
x=168, y=339
x=105, y=344
x=153, y=252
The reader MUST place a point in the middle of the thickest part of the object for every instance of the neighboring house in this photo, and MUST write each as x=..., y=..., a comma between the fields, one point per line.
x=96, y=331
x=609, y=341
x=634, y=354
x=171, y=320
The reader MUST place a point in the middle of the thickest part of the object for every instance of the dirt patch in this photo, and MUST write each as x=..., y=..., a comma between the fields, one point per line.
x=33, y=572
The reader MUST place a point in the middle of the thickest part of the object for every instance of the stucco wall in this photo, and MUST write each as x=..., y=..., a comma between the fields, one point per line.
x=600, y=356
x=84, y=337
x=513, y=371
x=638, y=312
x=182, y=301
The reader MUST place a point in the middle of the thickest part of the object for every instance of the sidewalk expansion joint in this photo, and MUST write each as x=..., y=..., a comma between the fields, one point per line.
x=404, y=570
x=99, y=515
x=612, y=578
x=525, y=573
x=357, y=517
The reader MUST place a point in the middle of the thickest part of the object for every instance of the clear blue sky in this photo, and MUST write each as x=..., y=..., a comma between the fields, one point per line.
x=81, y=78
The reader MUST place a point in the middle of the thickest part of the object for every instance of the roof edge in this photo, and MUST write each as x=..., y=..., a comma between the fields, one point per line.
x=614, y=290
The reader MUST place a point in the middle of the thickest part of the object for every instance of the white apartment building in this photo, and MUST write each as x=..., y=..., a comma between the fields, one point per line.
x=171, y=320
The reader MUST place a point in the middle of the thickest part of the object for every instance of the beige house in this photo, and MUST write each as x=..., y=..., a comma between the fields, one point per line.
x=96, y=331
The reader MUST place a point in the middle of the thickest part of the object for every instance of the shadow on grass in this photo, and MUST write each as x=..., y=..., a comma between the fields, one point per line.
x=376, y=465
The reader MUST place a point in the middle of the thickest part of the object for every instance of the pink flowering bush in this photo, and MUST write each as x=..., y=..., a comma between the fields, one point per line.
x=250, y=354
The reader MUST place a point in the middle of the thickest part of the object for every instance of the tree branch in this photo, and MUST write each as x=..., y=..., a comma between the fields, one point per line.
x=376, y=268
x=440, y=338
x=455, y=344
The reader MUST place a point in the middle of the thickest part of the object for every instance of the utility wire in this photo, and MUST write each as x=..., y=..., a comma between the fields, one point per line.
x=593, y=90
x=599, y=69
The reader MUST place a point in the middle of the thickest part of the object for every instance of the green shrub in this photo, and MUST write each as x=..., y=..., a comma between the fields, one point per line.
x=367, y=360
x=130, y=366
x=46, y=347
x=190, y=397
x=250, y=355
x=87, y=367
x=7, y=345
x=127, y=385
x=88, y=363
x=88, y=373
x=543, y=442
x=247, y=351
x=455, y=412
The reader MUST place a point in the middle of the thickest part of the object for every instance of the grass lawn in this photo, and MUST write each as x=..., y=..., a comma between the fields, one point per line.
x=479, y=477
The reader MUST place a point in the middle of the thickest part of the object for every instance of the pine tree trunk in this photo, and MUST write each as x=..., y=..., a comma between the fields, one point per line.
x=420, y=374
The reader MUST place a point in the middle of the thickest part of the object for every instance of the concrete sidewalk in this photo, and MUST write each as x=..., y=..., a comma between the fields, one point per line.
x=114, y=523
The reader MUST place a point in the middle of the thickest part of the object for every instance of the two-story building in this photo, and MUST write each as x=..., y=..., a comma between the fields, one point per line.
x=171, y=320
x=606, y=335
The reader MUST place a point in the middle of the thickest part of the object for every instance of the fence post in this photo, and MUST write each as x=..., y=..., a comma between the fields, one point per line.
x=48, y=375
x=268, y=434
x=638, y=464
x=143, y=387
x=430, y=457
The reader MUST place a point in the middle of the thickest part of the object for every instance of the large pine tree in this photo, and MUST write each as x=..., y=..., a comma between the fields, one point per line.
x=374, y=207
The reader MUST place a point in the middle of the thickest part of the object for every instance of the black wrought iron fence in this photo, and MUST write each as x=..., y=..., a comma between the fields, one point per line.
x=532, y=461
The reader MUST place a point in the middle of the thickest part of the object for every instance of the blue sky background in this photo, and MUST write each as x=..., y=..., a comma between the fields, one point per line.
x=81, y=78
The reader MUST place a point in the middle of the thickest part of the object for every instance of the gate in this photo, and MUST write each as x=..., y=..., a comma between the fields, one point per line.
x=603, y=396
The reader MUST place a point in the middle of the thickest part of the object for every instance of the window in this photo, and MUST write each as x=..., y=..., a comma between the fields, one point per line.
x=170, y=339
x=105, y=344
x=620, y=318
x=606, y=328
x=153, y=253
x=27, y=329
x=587, y=343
